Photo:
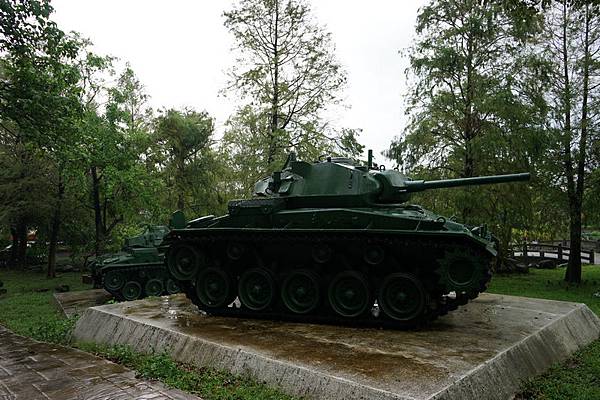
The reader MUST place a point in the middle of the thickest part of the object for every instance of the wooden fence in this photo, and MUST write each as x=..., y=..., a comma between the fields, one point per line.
x=560, y=253
x=585, y=244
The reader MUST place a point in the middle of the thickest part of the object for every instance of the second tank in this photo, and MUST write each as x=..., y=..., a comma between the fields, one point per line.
x=137, y=271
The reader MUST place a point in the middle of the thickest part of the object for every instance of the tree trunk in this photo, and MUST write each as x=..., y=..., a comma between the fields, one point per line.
x=21, y=261
x=573, y=272
x=15, y=244
x=275, y=100
x=504, y=250
x=99, y=239
x=54, y=229
x=468, y=172
x=179, y=184
x=180, y=201
x=469, y=135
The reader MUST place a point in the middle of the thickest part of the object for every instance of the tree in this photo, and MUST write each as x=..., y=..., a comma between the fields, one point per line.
x=183, y=140
x=572, y=47
x=121, y=185
x=476, y=106
x=18, y=39
x=287, y=74
x=128, y=105
x=244, y=148
x=38, y=100
x=24, y=191
x=591, y=207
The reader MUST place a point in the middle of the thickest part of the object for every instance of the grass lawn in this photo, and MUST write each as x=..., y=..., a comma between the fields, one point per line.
x=27, y=309
x=578, y=377
x=549, y=284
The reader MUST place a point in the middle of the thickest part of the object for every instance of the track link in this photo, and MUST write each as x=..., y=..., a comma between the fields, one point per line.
x=136, y=273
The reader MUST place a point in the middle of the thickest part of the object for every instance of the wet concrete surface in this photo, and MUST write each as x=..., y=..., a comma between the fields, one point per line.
x=73, y=303
x=482, y=350
x=31, y=370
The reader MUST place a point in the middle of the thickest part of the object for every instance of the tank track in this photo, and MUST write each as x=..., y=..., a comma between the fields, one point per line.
x=282, y=253
x=140, y=274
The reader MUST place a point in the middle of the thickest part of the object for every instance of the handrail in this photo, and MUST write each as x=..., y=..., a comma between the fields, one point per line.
x=561, y=252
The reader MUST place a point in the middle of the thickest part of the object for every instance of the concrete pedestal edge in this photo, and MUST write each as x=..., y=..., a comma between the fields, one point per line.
x=292, y=379
x=498, y=378
x=501, y=376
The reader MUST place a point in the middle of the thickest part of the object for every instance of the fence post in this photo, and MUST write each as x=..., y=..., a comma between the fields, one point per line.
x=525, y=257
x=559, y=252
x=592, y=256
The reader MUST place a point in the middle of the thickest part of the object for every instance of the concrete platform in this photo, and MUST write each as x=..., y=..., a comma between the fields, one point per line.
x=482, y=351
x=72, y=303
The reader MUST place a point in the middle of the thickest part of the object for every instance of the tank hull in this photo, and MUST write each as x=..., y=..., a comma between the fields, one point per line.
x=394, y=267
x=133, y=281
x=135, y=272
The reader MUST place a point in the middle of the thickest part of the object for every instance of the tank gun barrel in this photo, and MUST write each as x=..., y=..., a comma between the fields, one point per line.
x=421, y=185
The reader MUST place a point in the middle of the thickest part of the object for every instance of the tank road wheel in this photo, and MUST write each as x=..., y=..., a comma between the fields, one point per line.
x=349, y=294
x=184, y=262
x=132, y=290
x=402, y=297
x=300, y=291
x=213, y=288
x=374, y=254
x=114, y=280
x=154, y=287
x=322, y=253
x=256, y=289
x=461, y=271
x=172, y=287
x=235, y=251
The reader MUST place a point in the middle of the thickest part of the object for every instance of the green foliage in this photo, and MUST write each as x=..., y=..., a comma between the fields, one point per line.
x=80, y=144
x=54, y=330
x=478, y=107
x=121, y=185
x=183, y=154
x=571, y=45
x=81, y=156
x=286, y=75
x=208, y=383
x=28, y=310
x=39, y=108
x=244, y=148
x=127, y=106
x=83, y=159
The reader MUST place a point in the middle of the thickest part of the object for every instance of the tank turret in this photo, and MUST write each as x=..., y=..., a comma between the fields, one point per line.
x=150, y=238
x=339, y=182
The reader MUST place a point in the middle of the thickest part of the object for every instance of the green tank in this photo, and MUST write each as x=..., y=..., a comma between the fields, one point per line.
x=333, y=242
x=137, y=271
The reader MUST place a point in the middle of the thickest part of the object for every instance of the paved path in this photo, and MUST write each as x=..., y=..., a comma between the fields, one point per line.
x=31, y=370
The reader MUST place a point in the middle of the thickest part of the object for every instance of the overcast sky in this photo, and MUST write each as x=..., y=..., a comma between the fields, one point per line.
x=180, y=51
